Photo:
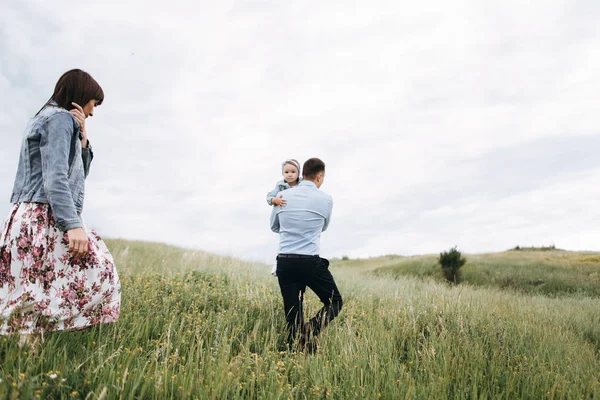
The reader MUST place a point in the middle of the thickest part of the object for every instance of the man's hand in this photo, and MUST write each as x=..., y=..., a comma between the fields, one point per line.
x=80, y=117
x=78, y=241
x=278, y=201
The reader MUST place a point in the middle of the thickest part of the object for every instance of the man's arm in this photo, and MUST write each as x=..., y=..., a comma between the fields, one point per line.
x=328, y=216
x=275, y=219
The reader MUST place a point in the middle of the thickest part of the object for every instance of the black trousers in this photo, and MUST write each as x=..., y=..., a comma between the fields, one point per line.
x=294, y=275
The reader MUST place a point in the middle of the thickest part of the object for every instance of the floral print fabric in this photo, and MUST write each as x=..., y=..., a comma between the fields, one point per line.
x=43, y=287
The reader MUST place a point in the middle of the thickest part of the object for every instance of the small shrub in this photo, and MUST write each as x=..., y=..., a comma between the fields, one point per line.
x=451, y=261
x=345, y=258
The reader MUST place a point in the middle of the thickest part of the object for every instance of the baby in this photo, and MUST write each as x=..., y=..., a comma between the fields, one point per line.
x=290, y=169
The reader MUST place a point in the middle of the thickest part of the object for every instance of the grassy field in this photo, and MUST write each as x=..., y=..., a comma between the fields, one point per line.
x=195, y=325
x=551, y=273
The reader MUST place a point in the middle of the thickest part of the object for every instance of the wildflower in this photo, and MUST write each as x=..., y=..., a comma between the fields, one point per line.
x=52, y=376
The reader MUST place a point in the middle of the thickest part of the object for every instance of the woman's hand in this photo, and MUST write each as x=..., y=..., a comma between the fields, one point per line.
x=78, y=241
x=278, y=201
x=80, y=117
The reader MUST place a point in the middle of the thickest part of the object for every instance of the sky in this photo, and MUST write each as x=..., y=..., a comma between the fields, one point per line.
x=467, y=123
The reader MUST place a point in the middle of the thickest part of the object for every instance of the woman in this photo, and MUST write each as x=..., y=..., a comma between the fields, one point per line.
x=54, y=274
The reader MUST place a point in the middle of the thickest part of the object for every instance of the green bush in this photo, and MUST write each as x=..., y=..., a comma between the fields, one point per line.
x=451, y=261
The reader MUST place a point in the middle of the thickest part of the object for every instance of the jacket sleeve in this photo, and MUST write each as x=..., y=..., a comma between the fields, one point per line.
x=87, y=155
x=271, y=195
x=55, y=144
x=275, y=219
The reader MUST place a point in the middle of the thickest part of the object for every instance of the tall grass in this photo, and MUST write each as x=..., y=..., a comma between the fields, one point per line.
x=195, y=325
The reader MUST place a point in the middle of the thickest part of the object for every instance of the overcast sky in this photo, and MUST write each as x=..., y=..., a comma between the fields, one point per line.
x=464, y=123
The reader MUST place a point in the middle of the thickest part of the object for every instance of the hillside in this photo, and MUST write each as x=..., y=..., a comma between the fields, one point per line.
x=196, y=325
x=551, y=273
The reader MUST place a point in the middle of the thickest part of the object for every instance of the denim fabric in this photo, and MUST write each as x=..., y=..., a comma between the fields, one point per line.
x=306, y=214
x=279, y=187
x=53, y=166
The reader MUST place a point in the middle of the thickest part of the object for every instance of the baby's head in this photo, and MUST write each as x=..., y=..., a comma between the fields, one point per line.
x=290, y=170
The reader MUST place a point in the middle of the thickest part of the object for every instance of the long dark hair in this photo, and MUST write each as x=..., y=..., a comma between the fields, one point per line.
x=75, y=86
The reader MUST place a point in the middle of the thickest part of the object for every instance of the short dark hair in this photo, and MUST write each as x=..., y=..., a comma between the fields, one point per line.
x=75, y=86
x=312, y=167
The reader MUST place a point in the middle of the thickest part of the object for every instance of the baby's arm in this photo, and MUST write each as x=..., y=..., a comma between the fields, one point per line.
x=272, y=195
x=278, y=201
x=273, y=199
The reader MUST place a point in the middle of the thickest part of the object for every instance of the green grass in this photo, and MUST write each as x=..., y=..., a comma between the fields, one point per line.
x=551, y=273
x=196, y=325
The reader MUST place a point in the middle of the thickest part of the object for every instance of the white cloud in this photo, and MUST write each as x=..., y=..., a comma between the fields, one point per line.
x=406, y=103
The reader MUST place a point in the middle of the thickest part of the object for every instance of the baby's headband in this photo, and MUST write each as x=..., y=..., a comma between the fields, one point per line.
x=291, y=161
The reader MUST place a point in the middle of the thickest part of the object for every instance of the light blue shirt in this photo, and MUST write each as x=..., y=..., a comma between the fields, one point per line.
x=300, y=222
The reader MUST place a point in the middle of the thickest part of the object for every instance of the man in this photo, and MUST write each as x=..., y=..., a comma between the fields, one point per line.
x=299, y=223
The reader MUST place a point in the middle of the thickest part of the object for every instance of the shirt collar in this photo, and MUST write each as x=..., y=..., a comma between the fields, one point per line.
x=307, y=183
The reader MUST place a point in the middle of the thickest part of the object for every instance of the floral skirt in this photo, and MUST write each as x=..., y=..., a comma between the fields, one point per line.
x=43, y=287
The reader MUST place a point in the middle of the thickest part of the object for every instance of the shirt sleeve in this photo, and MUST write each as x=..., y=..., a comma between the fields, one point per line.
x=328, y=216
x=54, y=147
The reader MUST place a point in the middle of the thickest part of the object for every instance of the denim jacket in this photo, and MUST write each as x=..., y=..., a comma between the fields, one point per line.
x=279, y=187
x=53, y=166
